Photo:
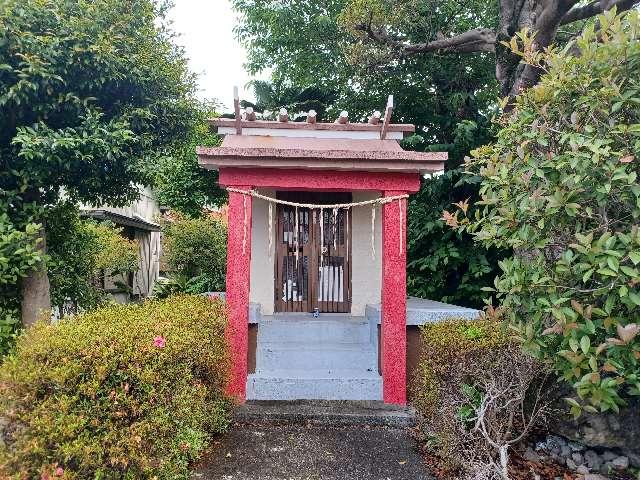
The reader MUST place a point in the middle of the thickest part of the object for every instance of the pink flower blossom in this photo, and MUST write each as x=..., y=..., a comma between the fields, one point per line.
x=159, y=341
x=59, y=472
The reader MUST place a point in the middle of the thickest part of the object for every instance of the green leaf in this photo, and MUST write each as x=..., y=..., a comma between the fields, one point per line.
x=585, y=344
x=634, y=297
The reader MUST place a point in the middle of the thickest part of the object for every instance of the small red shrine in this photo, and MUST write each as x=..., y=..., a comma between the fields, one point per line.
x=317, y=235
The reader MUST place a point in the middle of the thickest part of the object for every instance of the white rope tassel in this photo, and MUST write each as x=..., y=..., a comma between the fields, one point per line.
x=400, y=218
x=270, y=228
x=373, y=232
x=346, y=220
x=244, y=229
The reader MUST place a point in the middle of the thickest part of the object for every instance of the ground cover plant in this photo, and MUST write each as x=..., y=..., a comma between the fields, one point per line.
x=560, y=188
x=126, y=391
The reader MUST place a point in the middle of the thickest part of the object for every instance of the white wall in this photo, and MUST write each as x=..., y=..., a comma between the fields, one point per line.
x=262, y=283
x=366, y=271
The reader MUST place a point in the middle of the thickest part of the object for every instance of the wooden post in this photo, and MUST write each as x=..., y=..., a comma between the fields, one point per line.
x=236, y=108
x=387, y=118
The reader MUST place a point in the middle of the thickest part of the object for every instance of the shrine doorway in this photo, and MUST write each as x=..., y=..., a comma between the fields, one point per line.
x=313, y=254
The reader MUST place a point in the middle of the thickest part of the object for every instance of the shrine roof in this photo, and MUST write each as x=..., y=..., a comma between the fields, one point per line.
x=225, y=124
x=307, y=152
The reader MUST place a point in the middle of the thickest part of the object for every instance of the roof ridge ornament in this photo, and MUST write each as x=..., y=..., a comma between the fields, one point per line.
x=312, y=116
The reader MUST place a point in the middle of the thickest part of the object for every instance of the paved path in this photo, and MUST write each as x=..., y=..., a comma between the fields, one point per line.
x=313, y=452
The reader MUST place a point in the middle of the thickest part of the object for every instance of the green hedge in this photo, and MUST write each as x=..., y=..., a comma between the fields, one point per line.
x=450, y=345
x=453, y=353
x=127, y=391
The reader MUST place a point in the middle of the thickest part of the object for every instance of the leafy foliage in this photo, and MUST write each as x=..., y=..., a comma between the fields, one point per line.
x=80, y=252
x=129, y=391
x=270, y=97
x=471, y=388
x=18, y=254
x=443, y=264
x=560, y=187
x=179, y=182
x=303, y=45
x=90, y=93
x=195, y=250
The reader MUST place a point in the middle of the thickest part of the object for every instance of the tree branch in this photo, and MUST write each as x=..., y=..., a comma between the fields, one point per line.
x=476, y=40
x=595, y=8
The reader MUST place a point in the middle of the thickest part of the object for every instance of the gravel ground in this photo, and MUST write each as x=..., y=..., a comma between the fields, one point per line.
x=313, y=452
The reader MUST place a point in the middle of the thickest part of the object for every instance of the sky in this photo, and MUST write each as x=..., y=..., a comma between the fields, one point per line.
x=206, y=32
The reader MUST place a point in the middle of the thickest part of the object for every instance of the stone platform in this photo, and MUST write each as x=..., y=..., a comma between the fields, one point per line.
x=421, y=311
x=330, y=413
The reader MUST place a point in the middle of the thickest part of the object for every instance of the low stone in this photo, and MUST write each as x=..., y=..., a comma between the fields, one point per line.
x=606, y=431
x=582, y=469
x=531, y=455
x=566, y=451
x=592, y=460
x=575, y=447
x=608, y=455
x=620, y=462
x=577, y=458
x=594, y=476
x=571, y=465
x=606, y=468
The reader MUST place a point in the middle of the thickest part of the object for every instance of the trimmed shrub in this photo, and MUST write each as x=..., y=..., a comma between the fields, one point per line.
x=446, y=347
x=126, y=392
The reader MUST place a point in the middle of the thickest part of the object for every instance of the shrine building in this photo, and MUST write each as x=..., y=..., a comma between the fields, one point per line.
x=316, y=261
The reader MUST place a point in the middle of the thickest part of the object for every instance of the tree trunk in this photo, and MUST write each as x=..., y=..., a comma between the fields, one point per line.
x=543, y=18
x=36, y=298
x=35, y=287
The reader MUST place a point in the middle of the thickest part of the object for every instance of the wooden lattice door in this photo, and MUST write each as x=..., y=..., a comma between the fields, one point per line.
x=319, y=276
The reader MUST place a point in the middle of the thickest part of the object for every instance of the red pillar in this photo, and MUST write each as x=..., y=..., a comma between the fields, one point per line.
x=238, y=276
x=394, y=300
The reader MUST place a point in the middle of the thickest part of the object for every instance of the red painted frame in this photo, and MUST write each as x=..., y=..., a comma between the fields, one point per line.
x=320, y=179
x=394, y=214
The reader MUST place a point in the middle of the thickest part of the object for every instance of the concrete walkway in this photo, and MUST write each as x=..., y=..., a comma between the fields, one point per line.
x=313, y=452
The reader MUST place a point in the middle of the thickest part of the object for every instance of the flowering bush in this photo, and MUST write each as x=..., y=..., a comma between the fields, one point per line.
x=127, y=391
x=560, y=187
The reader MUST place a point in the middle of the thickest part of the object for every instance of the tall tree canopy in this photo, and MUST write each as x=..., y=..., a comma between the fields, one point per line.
x=449, y=98
x=302, y=44
x=90, y=92
x=391, y=30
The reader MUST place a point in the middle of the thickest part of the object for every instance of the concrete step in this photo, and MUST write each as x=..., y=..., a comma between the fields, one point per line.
x=324, y=412
x=274, y=356
x=314, y=384
x=305, y=328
